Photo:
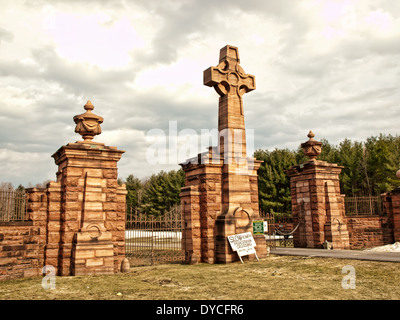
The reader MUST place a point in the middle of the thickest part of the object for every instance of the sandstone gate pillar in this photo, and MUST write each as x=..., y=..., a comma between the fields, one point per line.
x=220, y=197
x=317, y=205
x=391, y=203
x=85, y=207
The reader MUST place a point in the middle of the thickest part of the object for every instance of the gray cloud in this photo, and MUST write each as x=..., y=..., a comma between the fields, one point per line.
x=343, y=88
x=5, y=35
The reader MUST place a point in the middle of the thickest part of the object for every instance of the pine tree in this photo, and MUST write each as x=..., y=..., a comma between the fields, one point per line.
x=273, y=183
x=382, y=163
x=157, y=194
x=350, y=156
x=134, y=195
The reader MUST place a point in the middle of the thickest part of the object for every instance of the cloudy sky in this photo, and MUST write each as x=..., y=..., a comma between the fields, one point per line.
x=327, y=65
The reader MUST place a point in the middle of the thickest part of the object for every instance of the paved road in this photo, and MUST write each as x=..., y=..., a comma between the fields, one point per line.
x=340, y=254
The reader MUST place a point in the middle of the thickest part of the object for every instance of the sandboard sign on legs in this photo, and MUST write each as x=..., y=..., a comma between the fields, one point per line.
x=243, y=244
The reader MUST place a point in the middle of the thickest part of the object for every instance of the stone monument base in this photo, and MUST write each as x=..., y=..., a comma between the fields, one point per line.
x=93, y=254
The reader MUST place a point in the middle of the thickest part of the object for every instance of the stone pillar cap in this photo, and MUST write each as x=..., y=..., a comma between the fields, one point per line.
x=88, y=123
x=312, y=148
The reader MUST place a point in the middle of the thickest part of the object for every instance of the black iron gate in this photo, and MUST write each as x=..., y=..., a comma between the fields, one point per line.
x=151, y=240
x=279, y=231
x=154, y=239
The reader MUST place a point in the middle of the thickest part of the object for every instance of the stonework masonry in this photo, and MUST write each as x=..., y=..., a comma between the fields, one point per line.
x=21, y=250
x=220, y=197
x=317, y=204
x=369, y=231
x=391, y=201
x=77, y=223
x=82, y=215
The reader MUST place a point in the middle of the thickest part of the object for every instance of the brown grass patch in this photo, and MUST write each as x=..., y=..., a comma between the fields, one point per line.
x=274, y=278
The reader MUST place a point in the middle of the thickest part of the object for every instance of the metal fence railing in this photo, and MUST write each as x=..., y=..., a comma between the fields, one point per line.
x=150, y=239
x=12, y=205
x=370, y=205
x=153, y=239
x=279, y=231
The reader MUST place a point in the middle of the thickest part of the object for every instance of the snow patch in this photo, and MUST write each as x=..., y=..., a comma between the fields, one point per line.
x=395, y=247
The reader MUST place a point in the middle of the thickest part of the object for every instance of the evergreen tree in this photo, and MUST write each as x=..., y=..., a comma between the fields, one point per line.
x=382, y=163
x=273, y=182
x=350, y=157
x=329, y=152
x=20, y=189
x=369, y=168
x=134, y=195
x=156, y=195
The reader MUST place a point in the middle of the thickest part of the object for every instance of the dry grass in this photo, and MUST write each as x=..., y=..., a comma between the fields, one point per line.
x=274, y=278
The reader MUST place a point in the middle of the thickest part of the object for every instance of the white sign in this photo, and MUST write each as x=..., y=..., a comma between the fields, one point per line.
x=243, y=244
x=246, y=251
x=265, y=226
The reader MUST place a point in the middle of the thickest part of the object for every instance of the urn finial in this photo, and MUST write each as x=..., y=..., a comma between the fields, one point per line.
x=312, y=148
x=88, y=123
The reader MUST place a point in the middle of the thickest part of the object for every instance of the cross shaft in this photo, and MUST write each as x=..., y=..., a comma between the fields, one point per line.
x=231, y=83
x=228, y=77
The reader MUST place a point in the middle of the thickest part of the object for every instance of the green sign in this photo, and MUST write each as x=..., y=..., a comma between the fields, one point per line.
x=258, y=227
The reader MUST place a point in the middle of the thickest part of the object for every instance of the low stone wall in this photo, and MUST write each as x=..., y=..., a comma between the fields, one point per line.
x=77, y=223
x=369, y=231
x=21, y=250
x=285, y=227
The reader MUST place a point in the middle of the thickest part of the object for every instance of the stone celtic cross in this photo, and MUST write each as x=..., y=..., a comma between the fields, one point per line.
x=220, y=197
x=228, y=77
x=231, y=83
